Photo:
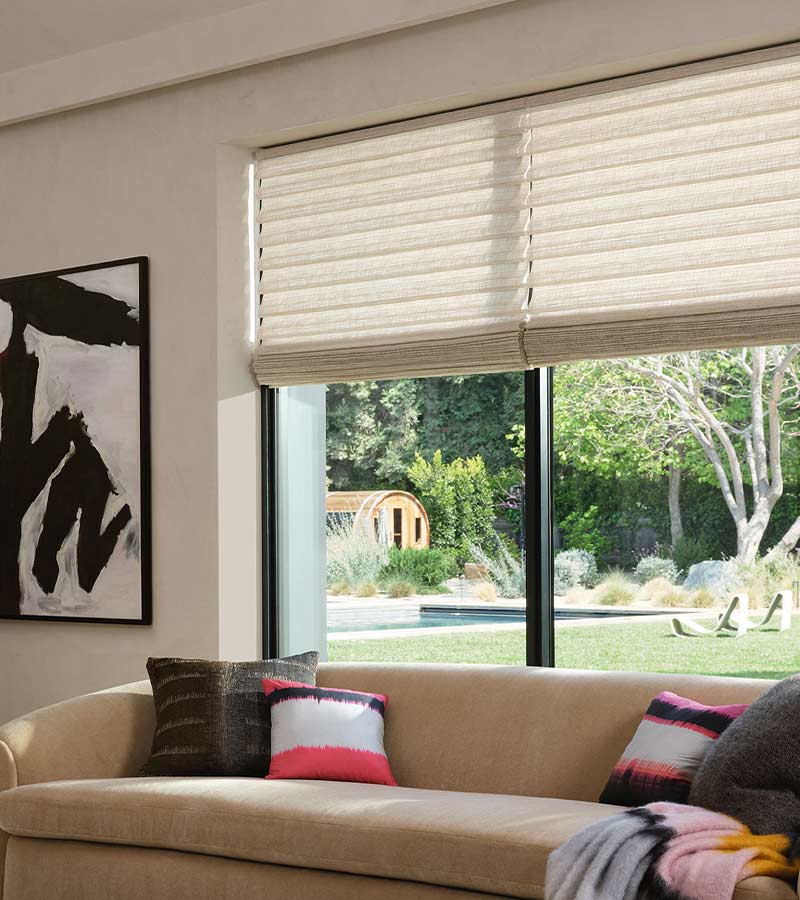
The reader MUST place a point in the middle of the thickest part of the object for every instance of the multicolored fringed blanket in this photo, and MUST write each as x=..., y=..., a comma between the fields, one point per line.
x=666, y=851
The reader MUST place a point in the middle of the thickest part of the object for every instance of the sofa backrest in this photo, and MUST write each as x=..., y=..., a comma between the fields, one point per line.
x=494, y=729
x=514, y=730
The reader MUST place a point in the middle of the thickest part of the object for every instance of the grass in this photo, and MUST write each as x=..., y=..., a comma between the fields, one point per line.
x=640, y=646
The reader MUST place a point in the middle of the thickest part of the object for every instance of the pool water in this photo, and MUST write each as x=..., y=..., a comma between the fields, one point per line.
x=385, y=620
x=382, y=619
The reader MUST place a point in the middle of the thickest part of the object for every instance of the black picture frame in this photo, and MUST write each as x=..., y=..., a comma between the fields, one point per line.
x=145, y=549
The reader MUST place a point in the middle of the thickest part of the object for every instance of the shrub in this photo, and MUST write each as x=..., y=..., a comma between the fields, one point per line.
x=366, y=589
x=650, y=567
x=398, y=588
x=424, y=569
x=338, y=588
x=654, y=589
x=688, y=551
x=660, y=591
x=578, y=596
x=459, y=501
x=704, y=598
x=582, y=530
x=355, y=557
x=616, y=589
x=677, y=597
x=765, y=577
x=507, y=574
x=485, y=591
x=574, y=568
x=437, y=589
x=508, y=486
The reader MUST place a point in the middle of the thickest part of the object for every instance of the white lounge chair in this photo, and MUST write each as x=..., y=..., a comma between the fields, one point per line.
x=683, y=627
x=736, y=617
x=784, y=600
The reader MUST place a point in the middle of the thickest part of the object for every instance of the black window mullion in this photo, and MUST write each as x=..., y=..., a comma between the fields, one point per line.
x=539, y=517
x=269, y=527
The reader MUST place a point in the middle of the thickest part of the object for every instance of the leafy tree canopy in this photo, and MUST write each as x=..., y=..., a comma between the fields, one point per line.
x=375, y=428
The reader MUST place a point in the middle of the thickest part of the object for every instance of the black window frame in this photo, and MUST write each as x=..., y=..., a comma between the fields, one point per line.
x=270, y=644
x=538, y=514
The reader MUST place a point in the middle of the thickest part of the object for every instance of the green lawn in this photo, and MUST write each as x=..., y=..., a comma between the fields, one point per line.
x=640, y=646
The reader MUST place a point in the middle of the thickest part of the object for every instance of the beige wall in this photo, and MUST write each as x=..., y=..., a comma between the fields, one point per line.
x=155, y=174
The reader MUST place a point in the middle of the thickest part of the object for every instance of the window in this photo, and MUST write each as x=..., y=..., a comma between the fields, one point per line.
x=677, y=488
x=656, y=514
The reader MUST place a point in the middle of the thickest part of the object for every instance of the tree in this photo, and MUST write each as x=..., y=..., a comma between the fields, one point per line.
x=738, y=406
x=375, y=428
x=718, y=417
x=464, y=415
x=372, y=434
x=604, y=425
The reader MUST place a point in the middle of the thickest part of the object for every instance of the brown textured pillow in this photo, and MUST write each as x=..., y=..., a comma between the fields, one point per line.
x=212, y=717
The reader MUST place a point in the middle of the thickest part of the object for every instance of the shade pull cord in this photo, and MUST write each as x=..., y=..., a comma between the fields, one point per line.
x=523, y=353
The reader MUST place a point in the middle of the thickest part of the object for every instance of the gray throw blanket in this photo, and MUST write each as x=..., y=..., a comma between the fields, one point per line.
x=608, y=860
x=752, y=772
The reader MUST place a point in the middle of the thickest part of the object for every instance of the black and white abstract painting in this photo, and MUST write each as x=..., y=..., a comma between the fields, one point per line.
x=74, y=445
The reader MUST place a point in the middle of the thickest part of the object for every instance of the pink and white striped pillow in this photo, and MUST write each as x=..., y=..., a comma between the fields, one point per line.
x=326, y=733
x=663, y=756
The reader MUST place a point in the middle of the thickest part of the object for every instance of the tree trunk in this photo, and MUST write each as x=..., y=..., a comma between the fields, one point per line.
x=675, y=520
x=750, y=533
x=787, y=543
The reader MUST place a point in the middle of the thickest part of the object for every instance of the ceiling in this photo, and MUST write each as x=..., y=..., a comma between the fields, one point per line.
x=57, y=55
x=34, y=31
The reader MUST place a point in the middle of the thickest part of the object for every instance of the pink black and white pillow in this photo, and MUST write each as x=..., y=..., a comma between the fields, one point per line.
x=665, y=753
x=326, y=733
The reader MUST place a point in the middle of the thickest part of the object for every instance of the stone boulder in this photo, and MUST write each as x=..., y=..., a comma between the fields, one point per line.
x=719, y=576
x=475, y=572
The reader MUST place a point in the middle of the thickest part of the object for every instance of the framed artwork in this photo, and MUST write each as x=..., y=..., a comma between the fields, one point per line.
x=75, y=445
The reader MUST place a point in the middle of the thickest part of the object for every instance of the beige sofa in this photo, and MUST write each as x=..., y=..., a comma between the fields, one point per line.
x=498, y=766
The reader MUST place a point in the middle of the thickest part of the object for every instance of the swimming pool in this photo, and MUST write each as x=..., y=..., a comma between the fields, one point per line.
x=376, y=618
x=385, y=620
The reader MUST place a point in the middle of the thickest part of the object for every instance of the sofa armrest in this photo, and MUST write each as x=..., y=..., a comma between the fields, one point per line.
x=102, y=735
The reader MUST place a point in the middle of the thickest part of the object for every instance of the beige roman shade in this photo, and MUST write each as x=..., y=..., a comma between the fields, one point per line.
x=667, y=216
x=395, y=255
x=643, y=216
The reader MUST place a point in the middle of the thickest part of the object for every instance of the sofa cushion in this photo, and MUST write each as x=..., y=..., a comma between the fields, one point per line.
x=492, y=843
x=497, y=844
x=65, y=870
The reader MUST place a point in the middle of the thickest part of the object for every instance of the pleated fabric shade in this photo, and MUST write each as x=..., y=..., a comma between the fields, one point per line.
x=651, y=218
x=667, y=217
x=395, y=255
